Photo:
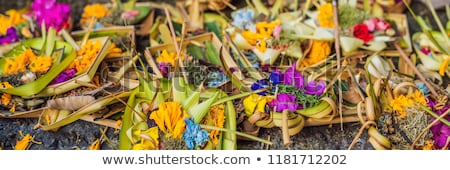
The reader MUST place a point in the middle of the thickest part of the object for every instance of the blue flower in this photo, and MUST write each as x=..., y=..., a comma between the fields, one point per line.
x=193, y=136
x=276, y=77
x=243, y=19
x=260, y=84
x=216, y=78
x=423, y=87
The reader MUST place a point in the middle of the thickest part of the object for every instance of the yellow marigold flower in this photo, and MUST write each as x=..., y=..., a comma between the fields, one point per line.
x=170, y=118
x=148, y=140
x=13, y=108
x=254, y=103
x=167, y=57
x=215, y=117
x=251, y=37
x=6, y=99
x=319, y=51
x=400, y=103
x=41, y=64
x=444, y=65
x=95, y=145
x=325, y=15
x=13, y=17
x=429, y=145
x=86, y=55
x=19, y=63
x=114, y=51
x=6, y=85
x=264, y=31
x=10, y=67
x=24, y=143
x=418, y=97
x=95, y=10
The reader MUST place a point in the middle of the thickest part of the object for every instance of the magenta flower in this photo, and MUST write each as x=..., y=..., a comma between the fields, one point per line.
x=64, y=76
x=10, y=37
x=54, y=14
x=439, y=130
x=315, y=88
x=293, y=77
x=284, y=101
x=426, y=51
x=164, y=68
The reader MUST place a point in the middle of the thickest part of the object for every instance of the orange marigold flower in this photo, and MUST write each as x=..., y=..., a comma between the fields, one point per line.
x=6, y=99
x=170, y=119
x=319, y=51
x=10, y=67
x=215, y=117
x=95, y=10
x=24, y=143
x=86, y=55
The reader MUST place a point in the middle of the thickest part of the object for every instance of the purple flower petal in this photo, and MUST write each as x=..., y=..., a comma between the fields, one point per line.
x=54, y=14
x=293, y=77
x=165, y=68
x=10, y=37
x=284, y=101
x=315, y=88
x=64, y=76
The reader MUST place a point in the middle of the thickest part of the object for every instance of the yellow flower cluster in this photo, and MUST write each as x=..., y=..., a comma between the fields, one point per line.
x=170, y=119
x=325, y=15
x=6, y=99
x=86, y=55
x=400, y=103
x=114, y=51
x=148, y=140
x=97, y=11
x=264, y=31
x=215, y=117
x=12, y=17
x=41, y=64
x=167, y=57
x=255, y=103
x=35, y=63
x=319, y=51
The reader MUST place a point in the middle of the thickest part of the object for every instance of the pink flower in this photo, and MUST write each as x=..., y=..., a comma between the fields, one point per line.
x=371, y=24
x=130, y=14
x=276, y=31
x=382, y=25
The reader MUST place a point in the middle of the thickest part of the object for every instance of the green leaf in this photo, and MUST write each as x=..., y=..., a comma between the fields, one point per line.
x=195, y=51
x=199, y=111
x=212, y=54
x=50, y=43
x=124, y=140
x=193, y=98
x=38, y=85
x=179, y=89
x=213, y=27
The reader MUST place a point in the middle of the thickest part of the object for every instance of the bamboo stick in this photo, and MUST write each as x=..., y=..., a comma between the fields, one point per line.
x=419, y=74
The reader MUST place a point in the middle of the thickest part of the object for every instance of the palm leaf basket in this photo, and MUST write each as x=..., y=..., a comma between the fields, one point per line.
x=83, y=77
x=63, y=51
x=151, y=52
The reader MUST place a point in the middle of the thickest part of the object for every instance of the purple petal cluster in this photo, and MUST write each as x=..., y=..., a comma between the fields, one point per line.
x=10, y=37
